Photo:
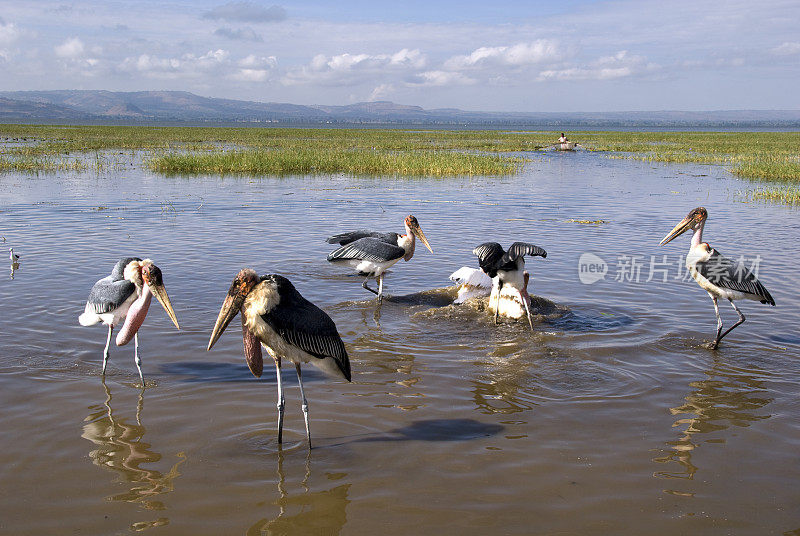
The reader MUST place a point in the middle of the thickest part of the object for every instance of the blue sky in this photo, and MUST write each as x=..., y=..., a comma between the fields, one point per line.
x=569, y=55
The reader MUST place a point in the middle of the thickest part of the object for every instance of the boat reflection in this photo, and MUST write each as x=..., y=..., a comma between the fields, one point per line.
x=304, y=511
x=121, y=449
x=728, y=396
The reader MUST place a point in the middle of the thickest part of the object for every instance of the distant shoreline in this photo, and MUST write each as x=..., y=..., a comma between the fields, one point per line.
x=511, y=127
x=185, y=109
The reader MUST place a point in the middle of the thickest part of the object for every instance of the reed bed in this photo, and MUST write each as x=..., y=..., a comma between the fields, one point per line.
x=762, y=156
x=789, y=195
x=357, y=162
x=38, y=164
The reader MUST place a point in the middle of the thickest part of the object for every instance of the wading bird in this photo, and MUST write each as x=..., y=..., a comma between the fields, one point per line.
x=371, y=253
x=124, y=296
x=508, y=268
x=289, y=326
x=719, y=276
x=474, y=283
x=12, y=256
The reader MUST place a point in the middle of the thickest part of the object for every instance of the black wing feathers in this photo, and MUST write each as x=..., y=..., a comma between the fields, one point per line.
x=492, y=257
x=306, y=326
x=107, y=294
x=489, y=255
x=345, y=238
x=520, y=249
x=370, y=249
x=732, y=275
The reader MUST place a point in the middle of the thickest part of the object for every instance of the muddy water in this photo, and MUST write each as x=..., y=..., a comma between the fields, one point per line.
x=611, y=418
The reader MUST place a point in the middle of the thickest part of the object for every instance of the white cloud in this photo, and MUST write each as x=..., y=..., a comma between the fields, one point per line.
x=789, y=48
x=251, y=75
x=442, y=78
x=258, y=61
x=246, y=12
x=381, y=92
x=352, y=69
x=8, y=32
x=185, y=66
x=71, y=48
x=255, y=68
x=521, y=54
x=620, y=65
x=238, y=34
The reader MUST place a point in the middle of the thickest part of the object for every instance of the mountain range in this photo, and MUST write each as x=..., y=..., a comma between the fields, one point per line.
x=148, y=107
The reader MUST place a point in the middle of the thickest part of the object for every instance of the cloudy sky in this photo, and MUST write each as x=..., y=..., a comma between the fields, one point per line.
x=565, y=55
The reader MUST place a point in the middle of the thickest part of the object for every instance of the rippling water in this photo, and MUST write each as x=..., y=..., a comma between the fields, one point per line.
x=611, y=418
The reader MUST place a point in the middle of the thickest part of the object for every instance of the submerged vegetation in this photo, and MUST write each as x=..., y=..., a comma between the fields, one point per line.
x=765, y=156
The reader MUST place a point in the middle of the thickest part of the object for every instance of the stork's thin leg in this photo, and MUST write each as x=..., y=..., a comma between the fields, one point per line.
x=719, y=324
x=136, y=356
x=497, y=303
x=380, y=288
x=108, y=343
x=280, y=402
x=740, y=321
x=527, y=309
x=305, y=402
x=364, y=284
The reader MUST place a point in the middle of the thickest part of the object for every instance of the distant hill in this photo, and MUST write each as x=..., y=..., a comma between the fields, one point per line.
x=82, y=106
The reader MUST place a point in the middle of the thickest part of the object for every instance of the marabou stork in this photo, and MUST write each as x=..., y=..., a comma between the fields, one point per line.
x=13, y=256
x=289, y=326
x=372, y=253
x=125, y=296
x=719, y=276
x=508, y=267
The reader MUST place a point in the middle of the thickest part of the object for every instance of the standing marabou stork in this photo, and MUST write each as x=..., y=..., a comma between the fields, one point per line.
x=13, y=256
x=372, y=253
x=125, y=296
x=508, y=267
x=289, y=326
x=719, y=276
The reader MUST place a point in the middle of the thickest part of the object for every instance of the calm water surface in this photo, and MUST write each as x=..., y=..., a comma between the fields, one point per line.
x=611, y=418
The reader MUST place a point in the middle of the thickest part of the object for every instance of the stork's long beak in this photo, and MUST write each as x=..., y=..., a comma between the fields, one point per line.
x=228, y=312
x=417, y=230
x=682, y=227
x=160, y=292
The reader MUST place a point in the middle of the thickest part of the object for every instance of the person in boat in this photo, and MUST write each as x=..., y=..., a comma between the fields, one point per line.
x=563, y=138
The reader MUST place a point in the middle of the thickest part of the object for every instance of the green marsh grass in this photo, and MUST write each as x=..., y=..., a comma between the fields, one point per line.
x=789, y=195
x=761, y=156
x=358, y=162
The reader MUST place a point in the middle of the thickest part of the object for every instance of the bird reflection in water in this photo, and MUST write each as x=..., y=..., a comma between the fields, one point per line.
x=14, y=268
x=121, y=449
x=504, y=385
x=304, y=511
x=729, y=396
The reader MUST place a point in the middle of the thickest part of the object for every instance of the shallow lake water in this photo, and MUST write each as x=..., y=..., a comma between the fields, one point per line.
x=610, y=418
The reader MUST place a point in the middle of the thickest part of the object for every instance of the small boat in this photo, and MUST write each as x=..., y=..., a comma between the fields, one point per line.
x=566, y=146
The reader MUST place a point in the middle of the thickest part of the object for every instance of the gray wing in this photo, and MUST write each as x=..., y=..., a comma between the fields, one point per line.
x=108, y=294
x=520, y=249
x=489, y=255
x=306, y=326
x=346, y=238
x=726, y=273
x=369, y=249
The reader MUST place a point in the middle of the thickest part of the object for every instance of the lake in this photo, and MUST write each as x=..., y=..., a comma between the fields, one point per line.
x=610, y=418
